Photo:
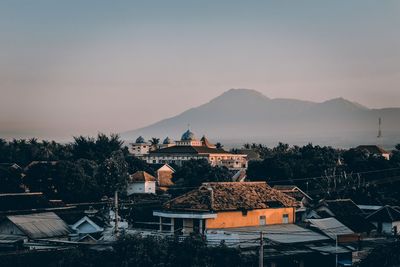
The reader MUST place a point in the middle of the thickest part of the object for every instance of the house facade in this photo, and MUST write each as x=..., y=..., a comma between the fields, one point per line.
x=226, y=205
x=141, y=182
x=386, y=220
x=164, y=177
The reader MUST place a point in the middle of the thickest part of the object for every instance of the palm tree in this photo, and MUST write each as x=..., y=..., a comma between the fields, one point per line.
x=154, y=142
x=219, y=145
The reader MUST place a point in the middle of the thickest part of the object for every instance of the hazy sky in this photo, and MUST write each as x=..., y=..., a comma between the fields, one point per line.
x=78, y=67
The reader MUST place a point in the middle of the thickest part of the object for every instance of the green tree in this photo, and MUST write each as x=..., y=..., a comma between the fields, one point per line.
x=193, y=173
x=113, y=174
x=40, y=177
x=76, y=181
x=10, y=179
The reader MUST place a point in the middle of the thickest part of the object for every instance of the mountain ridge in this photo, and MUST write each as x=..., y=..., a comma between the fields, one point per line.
x=248, y=115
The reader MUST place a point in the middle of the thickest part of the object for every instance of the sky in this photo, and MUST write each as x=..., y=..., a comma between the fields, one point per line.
x=81, y=67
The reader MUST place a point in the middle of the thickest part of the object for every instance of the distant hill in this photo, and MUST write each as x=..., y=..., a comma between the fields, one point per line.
x=243, y=115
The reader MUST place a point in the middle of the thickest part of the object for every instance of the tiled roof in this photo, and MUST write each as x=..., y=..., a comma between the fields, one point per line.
x=292, y=191
x=141, y=176
x=231, y=196
x=385, y=214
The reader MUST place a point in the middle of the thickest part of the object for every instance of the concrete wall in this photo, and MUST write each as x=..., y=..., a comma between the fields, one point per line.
x=141, y=188
x=238, y=219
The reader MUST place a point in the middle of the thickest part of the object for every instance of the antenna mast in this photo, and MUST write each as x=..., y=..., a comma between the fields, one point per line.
x=379, y=128
x=379, y=136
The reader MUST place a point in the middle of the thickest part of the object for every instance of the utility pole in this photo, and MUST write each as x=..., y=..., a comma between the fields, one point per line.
x=261, y=253
x=336, y=248
x=116, y=212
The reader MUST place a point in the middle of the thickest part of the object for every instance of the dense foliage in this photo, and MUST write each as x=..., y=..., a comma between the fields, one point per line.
x=328, y=172
x=89, y=168
x=84, y=170
x=137, y=251
x=387, y=255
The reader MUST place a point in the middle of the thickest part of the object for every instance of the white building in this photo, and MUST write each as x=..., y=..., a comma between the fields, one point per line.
x=141, y=183
x=386, y=220
x=140, y=147
x=189, y=147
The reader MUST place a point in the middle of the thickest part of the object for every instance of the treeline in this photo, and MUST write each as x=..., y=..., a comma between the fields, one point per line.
x=83, y=170
x=326, y=172
x=89, y=168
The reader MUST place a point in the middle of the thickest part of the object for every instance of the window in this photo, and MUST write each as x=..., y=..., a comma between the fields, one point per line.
x=263, y=220
x=285, y=218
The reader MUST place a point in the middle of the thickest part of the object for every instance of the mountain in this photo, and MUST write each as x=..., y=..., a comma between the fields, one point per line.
x=243, y=115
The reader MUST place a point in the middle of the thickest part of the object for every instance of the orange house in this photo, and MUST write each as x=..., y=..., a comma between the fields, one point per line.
x=226, y=205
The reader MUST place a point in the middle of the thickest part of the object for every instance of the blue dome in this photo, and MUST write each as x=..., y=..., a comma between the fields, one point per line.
x=167, y=141
x=140, y=140
x=188, y=136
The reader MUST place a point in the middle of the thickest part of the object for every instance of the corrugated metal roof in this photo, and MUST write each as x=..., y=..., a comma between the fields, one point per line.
x=280, y=233
x=331, y=227
x=330, y=249
x=40, y=225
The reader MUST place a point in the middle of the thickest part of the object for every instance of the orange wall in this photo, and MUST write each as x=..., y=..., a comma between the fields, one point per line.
x=237, y=219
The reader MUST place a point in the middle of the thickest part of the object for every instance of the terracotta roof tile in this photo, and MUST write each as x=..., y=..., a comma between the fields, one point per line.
x=231, y=196
x=141, y=176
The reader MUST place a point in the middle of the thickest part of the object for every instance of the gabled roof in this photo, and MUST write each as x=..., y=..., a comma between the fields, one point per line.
x=189, y=150
x=385, y=214
x=86, y=219
x=141, y=176
x=231, y=196
x=293, y=191
x=40, y=225
x=373, y=149
x=348, y=213
x=162, y=165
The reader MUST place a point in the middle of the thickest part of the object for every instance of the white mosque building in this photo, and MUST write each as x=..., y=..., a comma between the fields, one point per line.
x=189, y=147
